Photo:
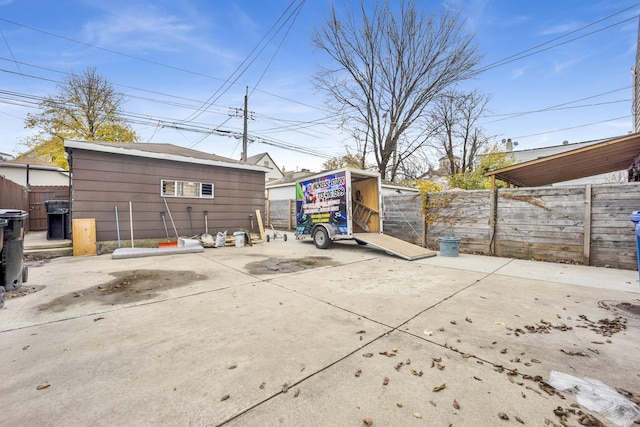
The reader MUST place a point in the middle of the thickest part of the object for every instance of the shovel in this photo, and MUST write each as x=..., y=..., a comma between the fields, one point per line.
x=206, y=237
x=169, y=243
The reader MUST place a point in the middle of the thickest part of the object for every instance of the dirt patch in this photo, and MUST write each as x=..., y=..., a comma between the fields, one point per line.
x=127, y=287
x=23, y=291
x=289, y=265
x=623, y=308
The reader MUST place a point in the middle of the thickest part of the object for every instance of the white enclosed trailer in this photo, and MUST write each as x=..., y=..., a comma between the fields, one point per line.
x=347, y=204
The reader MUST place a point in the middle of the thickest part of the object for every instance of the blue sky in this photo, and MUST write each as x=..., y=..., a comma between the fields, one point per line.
x=170, y=58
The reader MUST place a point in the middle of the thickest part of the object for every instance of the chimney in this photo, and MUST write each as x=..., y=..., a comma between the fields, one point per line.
x=509, y=145
x=565, y=142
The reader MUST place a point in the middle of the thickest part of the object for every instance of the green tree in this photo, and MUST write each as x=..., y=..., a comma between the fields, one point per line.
x=86, y=108
x=492, y=158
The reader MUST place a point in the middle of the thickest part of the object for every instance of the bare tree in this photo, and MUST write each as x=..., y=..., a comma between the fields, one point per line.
x=386, y=67
x=457, y=135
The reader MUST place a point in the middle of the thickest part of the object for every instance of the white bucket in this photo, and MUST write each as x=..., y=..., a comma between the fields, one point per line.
x=239, y=235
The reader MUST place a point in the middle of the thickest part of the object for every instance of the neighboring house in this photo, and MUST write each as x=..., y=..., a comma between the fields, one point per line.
x=522, y=156
x=286, y=189
x=31, y=171
x=137, y=179
x=265, y=160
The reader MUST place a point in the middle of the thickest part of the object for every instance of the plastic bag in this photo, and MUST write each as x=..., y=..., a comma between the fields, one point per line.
x=221, y=239
x=597, y=396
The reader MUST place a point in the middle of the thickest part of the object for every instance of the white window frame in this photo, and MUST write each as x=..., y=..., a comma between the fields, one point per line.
x=179, y=187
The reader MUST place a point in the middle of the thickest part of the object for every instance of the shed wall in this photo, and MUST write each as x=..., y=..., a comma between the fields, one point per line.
x=104, y=181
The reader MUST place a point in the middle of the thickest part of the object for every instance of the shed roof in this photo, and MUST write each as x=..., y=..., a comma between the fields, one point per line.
x=610, y=155
x=162, y=152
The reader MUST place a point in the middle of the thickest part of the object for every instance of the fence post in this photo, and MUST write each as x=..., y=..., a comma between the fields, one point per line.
x=493, y=219
x=586, y=255
x=291, y=214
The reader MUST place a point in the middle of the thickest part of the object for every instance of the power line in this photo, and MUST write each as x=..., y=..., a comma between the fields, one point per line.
x=572, y=127
x=521, y=54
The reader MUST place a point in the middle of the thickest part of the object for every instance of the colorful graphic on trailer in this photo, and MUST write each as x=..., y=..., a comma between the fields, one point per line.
x=322, y=200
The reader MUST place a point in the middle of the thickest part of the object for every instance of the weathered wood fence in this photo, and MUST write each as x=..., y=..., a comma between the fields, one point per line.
x=12, y=195
x=586, y=224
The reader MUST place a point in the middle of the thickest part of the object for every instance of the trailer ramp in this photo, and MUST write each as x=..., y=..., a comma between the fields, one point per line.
x=394, y=246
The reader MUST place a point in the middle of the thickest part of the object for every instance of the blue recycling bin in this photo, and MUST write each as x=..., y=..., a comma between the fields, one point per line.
x=635, y=217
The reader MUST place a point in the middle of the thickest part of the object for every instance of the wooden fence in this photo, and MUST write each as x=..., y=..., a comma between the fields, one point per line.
x=13, y=196
x=585, y=224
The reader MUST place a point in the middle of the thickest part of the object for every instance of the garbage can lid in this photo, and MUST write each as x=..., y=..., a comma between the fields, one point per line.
x=635, y=216
x=13, y=214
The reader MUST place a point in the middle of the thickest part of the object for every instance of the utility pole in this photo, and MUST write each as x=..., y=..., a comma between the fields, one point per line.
x=244, y=133
x=246, y=115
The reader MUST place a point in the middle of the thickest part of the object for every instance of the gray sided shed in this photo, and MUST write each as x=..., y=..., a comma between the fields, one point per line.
x=110, y=175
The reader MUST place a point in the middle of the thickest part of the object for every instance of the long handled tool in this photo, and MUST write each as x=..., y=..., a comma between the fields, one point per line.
x=164, y=222
x=171, y=218
x=206, y=237
x=190, y=221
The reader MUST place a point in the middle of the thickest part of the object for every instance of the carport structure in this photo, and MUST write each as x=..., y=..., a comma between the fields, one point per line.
x=608, y=156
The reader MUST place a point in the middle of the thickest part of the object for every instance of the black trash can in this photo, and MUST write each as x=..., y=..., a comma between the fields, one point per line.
x=58, y=224
x=13, y=272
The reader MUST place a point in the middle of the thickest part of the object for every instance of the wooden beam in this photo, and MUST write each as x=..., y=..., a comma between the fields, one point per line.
x=260, y=225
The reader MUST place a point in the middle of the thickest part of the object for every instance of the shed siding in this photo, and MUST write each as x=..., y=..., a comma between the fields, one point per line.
x=103, y=181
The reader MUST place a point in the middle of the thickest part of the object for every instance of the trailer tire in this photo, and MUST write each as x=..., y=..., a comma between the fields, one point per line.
x=321, y=238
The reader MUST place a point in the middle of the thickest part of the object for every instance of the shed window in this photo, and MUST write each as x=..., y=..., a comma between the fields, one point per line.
x=186, y=189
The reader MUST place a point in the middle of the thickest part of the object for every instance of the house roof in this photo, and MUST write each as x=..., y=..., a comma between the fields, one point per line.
x=31, y=162
x=610, y=155
x=162, y=152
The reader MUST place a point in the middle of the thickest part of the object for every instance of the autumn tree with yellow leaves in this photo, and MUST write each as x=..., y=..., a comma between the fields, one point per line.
x=86, y=108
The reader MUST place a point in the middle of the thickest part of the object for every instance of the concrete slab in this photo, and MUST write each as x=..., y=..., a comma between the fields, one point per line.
x=250, y=323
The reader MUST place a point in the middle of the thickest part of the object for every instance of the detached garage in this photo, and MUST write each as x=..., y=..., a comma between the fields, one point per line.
x=109, y=177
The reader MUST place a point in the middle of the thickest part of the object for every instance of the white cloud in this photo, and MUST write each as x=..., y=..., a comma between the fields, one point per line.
x=560, y=28
x=517, y=73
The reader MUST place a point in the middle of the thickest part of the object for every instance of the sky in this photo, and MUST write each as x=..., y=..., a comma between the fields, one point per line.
x=555, y=70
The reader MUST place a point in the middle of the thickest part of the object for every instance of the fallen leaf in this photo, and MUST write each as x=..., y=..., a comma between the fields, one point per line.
x=358, y=372
x=536, y=361
x=225, y=397
x=433, y=403
x=296, y=393
x=399, y=404
x=26, y=347
x=503, y=351
x=428, y=333
x=43, y=385
x=368, y=421
x=518, y=419
x=468, y=320
x=417, y=414
x=458, y=339
x=362, y=331
x=456, y=405
x=395, y=350
x=385, y=381
x=232, y=367
x=367, y=355
x=98, y=318
x=453, y=322
x=503, y=416
x=440, y=387
x=285, y=387
x=262, y=385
